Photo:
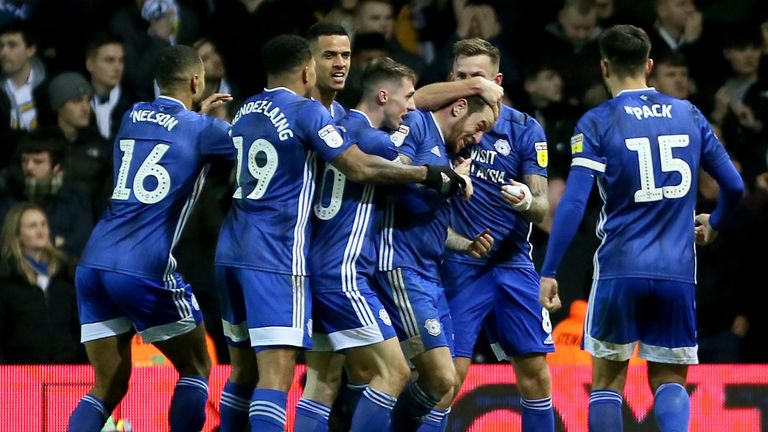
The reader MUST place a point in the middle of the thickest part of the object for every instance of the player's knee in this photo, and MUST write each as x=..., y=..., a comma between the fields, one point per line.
x=536, y=385
x=397, y=373
x=441, y=383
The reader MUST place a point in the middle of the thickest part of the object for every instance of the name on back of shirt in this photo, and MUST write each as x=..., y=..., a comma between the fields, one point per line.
x=645, y=111
x=161, y=119
x=278, y=119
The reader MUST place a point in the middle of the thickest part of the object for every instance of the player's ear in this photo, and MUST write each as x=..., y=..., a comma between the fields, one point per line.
x=498, y=78
x=649, y=67
x=605, y=69
x=451, y=76
x=459, y=107
x=382, y=97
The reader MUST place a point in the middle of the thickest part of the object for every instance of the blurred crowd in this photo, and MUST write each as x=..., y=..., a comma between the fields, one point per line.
x=69, y=69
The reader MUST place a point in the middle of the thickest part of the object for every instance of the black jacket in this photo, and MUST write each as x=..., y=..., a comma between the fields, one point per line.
x=36, y=326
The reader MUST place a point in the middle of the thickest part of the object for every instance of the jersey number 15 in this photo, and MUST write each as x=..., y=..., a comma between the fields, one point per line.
x=648, y=190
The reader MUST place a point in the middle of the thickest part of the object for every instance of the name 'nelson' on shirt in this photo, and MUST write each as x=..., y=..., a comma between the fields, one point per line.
x=278, y=119
x=161, y=119
x=645, y=111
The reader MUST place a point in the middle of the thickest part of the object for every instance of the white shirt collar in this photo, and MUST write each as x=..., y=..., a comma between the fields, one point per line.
x=636, y=90
x=368, y=119
x=437, y=125
x=173, y=99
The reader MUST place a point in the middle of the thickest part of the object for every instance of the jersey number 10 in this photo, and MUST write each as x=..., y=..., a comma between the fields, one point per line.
x=648, y=190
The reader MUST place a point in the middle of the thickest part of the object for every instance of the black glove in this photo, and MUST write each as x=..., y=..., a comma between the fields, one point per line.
x=444, y=179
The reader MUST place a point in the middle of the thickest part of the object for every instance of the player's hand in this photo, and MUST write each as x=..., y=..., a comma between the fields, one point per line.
x=444, y=179
x=548, y=296
x=693, y=27
x=705, y=234
x=491, y=92
x=213, y=101
x=481, y=245
x=518, y=195
x=462, y=168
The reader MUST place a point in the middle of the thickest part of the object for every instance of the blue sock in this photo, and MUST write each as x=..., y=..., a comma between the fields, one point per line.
x=672, y=408
x=187, y=412
x=413, y=404
x=235, y=401
x=89, y=415
x=373, y=412
x=351, y=394
x=538, y=415
x=267, y=412
x=435, y=421
x=311, y=416
x=605, y=411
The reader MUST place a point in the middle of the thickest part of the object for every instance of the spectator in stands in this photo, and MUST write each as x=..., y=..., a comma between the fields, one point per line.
x=22, y=74
x=38, y=310
x=570, y=42
x=105, y=62
x=670, y=75
x=89, y=157
x=42, y=180
x=543, y=100
x=343, y=14
x=739, y=107
x=215, y=76
x=14, y=10
x=377, y=16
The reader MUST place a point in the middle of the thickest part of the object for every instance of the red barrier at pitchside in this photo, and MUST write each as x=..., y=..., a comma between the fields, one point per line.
x=724, y=398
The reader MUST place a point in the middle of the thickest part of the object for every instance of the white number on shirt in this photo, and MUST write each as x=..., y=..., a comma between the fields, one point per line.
x=148, y=168
x=262, y=173
x=648, y=191
x=337, y=192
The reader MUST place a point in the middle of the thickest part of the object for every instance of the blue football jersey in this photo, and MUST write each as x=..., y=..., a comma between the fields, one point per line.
x=160, y=157
x=645, y=149
x=337, y=111
x=342, y=241
x=277, y=135
x=408, y=240
x=515, y=147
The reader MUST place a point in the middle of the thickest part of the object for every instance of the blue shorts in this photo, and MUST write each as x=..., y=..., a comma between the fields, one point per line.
x=505, y=301
x=418, y=309
x=109, y=303
x=348, y=317
x=264, y=309
x=660, y=314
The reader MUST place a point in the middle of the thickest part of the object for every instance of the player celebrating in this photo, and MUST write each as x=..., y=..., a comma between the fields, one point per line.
x=505, y=282
x=332, y=52
x=262, y=249
x=126, y=276
x=645, y=149
x=411, y=248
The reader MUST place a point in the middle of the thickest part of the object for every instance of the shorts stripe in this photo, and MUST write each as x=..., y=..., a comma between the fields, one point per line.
x=403, y=304
x=352, y=253
x=298, y=284
x=386, y=252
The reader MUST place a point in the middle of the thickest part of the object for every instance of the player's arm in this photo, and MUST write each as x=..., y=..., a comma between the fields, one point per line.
x=530, y=197
x=435, y=96
x=567, y=219
x=477, y=248
x=361, y=167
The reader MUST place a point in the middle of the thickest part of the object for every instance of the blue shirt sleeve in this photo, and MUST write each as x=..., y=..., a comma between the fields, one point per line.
x=378, y=143
x=409, y=135
x=712, y=152
x=318, y=130
x=215, y=141
x=585, y=147
x=534, y=149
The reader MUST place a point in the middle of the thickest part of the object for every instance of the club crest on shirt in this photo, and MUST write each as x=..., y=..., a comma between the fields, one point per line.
x=502, y=146
x=398, y=136
x=433, y=326
x=541, y=153
x=577, y=143
x=384, y=317
x=331, y=136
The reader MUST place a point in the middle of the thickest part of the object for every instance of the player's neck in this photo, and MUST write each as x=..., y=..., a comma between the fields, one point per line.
x=325, y=96
x=617, y=85
x=375, y=113
x=184, y=98
x=443, y=118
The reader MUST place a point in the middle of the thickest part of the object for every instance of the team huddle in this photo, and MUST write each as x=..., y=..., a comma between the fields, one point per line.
x=381, y=240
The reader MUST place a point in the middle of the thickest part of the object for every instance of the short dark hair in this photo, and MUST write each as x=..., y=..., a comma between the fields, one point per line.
x=532, y=69
x=385, y=69
x=476, y=103
x=23, y=28
x=325, y=29
x=38, y=142
x=100, y=40
x=174, y=63
x=285, y=53
x=474, y=47
x=626, y=48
